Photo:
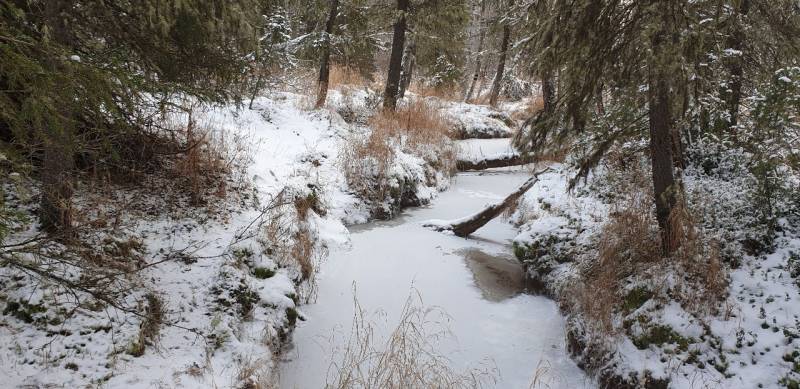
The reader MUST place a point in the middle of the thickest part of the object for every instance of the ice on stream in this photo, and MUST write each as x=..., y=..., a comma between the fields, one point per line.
x=476, y=281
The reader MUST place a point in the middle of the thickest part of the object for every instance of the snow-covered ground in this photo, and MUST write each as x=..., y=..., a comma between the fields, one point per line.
x=229, y=299
x=478, y=121
x=476, y=150
x=198, y=274
x=751, y=342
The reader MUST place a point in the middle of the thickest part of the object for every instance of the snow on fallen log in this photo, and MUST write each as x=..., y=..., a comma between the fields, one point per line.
x=466, y=225
x=504, y=161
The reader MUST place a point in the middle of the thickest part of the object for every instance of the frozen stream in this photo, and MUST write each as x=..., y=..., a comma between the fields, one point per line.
x=476, y=281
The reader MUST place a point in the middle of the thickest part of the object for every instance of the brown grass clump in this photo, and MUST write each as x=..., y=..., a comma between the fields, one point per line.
x=627, y=243
x=202, y=166
x=451, y=93
x=253, y=373
x=341, y=75
x=629, y=249
x=303, y=252
x=420, y=123
x=417, y=128
x=534, y=105
x=705, y=280
x=150, y=326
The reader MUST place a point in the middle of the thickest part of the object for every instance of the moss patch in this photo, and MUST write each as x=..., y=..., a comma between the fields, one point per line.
x=661, y=334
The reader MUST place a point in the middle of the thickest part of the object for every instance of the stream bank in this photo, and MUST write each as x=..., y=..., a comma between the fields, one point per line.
x=478, y=284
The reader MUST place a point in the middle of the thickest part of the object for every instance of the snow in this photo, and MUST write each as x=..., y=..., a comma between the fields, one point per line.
x=745, y=345
x=477, y=150
x=386, y=259
x=478, y=121
x=292, y=148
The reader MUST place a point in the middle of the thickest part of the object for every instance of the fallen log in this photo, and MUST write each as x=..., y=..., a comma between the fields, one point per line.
x=464, y=226
x=506, y=161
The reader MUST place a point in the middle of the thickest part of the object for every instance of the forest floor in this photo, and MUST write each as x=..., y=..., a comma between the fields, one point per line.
x=667, y=325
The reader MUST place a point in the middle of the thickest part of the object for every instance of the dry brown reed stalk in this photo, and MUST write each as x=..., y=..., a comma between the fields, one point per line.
x=533, y=106
x=209, y=159
x=451, y=93
x=542, y=375
x=627, y=243
x=417, y=128
x=341, y=75
x=705, y=281
x=407, y=359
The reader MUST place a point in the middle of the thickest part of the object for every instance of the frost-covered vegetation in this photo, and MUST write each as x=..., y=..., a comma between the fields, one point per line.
x=173, y=175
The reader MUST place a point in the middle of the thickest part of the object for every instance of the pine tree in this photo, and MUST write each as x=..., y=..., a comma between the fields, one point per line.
x=73, y=73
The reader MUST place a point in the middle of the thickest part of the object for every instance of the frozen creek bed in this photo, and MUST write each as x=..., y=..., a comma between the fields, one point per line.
x=476, y=281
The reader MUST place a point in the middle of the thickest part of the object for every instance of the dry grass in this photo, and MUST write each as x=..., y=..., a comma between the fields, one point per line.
x=407, y=359
x=533, y=105
x=150, y=326
x=254, y=373
x=705, y=280
x=417, y=128
x=628, y=242
x=629, y=249
x=340, y=75
x=206, y=162
x=451, y=93
x=286, y=236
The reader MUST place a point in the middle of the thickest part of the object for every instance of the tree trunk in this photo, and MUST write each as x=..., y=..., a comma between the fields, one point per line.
x=55, y=200
x=732, y=94
x=55, y=208
x=601, y=106
x=661, y=123
x=467, y=225
x=478, y=56
x=396, y=57
x=409, y=61
x=325, y=67
x=501, y=66
x=514, y=160
x=548, y=93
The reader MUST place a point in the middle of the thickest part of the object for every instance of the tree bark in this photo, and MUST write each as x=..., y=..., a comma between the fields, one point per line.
x=501, y=66
x=661, y=131
x=478, y=56
x=548, y=93
x=55, y=208
x=55, y=200
x=396, y=57
x=484, y=164
x=325, y=67
x=466, y=226
x=409, y=61
x=732, y=94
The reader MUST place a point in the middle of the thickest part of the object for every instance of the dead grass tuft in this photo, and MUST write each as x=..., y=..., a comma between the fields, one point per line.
x=253, y=373
x=533, y=105
x=303, y=252
x=628, y=242
x=407, y=359
x=417, y=128
x=150, y=326
x=341, y=75
x=629, y=250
